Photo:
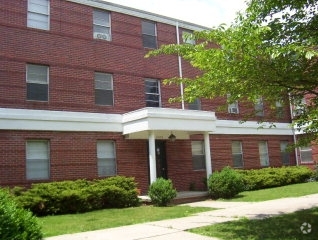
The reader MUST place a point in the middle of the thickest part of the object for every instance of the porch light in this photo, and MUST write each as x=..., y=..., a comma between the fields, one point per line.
x=172, y=138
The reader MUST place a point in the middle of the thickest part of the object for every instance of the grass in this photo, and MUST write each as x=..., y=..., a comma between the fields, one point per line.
x=295, y=190
x=108, y=218
x=284, y=227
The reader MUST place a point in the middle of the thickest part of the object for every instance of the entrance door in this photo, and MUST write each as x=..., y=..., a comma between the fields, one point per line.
x=161, y=160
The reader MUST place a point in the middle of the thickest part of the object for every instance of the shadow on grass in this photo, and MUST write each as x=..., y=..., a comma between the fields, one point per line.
x=284, y=227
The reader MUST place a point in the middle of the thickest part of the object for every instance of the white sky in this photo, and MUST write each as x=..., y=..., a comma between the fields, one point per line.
x=207, y=13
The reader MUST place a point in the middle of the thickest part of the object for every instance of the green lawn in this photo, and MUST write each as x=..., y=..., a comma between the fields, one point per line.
x=72, y=223
x=108, y=218
x=295, y=190
x=284, y=227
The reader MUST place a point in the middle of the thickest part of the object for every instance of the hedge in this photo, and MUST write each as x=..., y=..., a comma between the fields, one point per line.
x=275, y=177
x=78, y=196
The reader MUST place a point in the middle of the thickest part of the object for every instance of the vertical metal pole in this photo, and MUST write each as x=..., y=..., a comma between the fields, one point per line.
x=180, y=66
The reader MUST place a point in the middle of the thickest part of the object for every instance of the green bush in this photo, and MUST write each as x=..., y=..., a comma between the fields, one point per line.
x=17, y=223
x=79, y=196
x=274, y=177
x=161, y=192
x=225, y=184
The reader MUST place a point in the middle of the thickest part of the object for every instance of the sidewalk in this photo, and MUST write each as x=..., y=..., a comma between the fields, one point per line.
x=175, y=228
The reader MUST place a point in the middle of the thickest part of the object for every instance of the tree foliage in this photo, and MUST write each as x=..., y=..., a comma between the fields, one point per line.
x=269, y=51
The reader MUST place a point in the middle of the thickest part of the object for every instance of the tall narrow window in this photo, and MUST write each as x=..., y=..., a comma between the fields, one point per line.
x=37, y=159
x=263, y=153
x=285, y=156
x=104, y=89
x=152, y=89
x=39, y=14
x=149, y=34
x=37, y=79
x=195, y=105
x=198, y=155
x=279, y=109
x=299, y=107
x=237, y=154
x=106, y=158
x=306, y=154
x=259, y=107
x=101, y=25
x=233, y=107
x=187, y=37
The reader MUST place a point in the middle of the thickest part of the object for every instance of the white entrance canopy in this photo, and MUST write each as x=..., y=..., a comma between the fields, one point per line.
x=159, y=123
x=164, y=121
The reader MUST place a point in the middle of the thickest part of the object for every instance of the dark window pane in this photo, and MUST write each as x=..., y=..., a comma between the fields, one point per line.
x=148, y=28
x=285, y=158
x=104, y=97
x=149, y=41
x=198, y=162
x=195, y=105
x=152, y=104
x=37, y=92
x=237, y=160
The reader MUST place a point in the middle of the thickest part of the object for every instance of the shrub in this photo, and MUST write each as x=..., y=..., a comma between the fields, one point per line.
x=79, y=196
x=225, y=184
x=274, y=177
x=17, y=223
x=161, y=192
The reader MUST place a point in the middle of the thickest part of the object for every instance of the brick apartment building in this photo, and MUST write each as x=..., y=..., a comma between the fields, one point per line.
x=79, y=100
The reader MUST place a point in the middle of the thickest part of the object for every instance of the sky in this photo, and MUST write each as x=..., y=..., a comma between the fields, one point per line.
x=209, y=13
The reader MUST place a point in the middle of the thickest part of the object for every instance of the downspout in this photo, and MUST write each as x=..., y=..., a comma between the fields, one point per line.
x=293, y=129
x=180, y=65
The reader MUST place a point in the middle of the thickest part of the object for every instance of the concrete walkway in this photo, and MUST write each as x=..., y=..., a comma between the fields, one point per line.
x=176, y=228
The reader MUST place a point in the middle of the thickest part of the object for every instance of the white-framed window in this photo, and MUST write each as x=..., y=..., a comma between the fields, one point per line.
x=233, y=107
x=195, y=105
x=263, y=153
x=37, y=159
x=101, y=25
x=198, y=155
x=285, y=156
x=152, y=91
x=306, y=154
x=37, y=79
x=299, y=107
x=149, y=34
x=187, y=37
x=237, y=154
x=259, y=107
x=104, y=89
x=106, y=158
x=39, y=14
x=279, y=109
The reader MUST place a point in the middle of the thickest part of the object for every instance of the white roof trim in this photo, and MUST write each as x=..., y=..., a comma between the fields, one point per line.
x=139, y=13
x=45, y=120
x=252, y=128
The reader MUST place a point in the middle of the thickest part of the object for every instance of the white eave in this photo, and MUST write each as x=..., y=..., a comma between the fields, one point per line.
x=139, y=13
x=252, y=127
x=164, y=121
x=45, y=120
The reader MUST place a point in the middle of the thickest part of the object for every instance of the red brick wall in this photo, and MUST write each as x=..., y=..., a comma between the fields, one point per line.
x=73, y=156
x=222, y=153
x=72, y=54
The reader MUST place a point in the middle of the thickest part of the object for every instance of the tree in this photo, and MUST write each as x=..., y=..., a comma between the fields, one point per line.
x=269, y=51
